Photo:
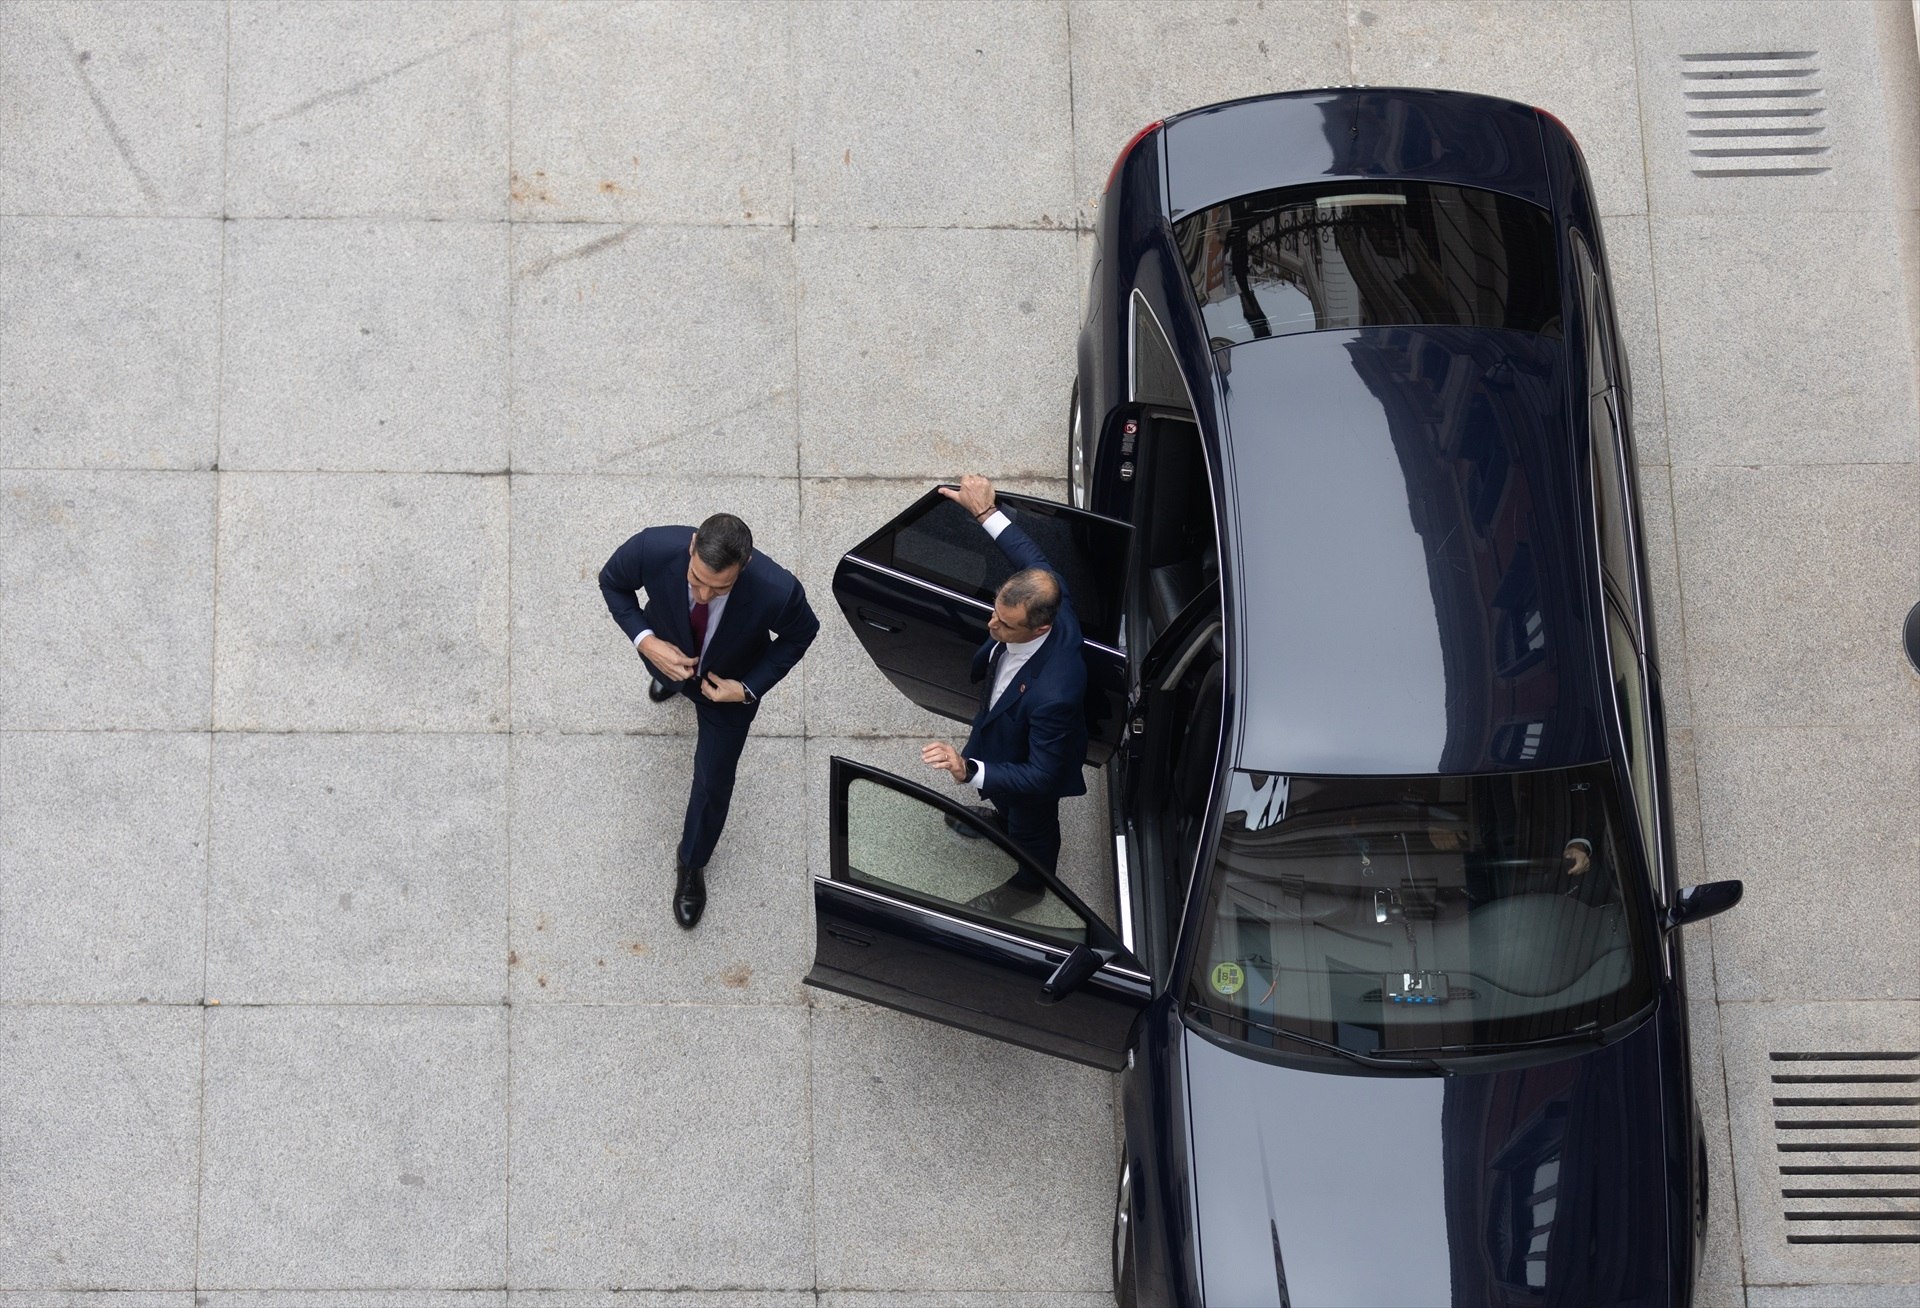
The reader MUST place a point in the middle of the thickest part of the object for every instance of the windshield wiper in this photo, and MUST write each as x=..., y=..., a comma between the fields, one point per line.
x=1585, y=1033
x=1372, y=1060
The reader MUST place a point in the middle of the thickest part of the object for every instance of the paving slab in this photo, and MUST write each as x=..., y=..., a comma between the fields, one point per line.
x=1683, y=778
x=846, y=694
x=106, y=599
x=661, y=1298
x=988, y=141
x=1839, y=44
x=994, y=1173
x=667, y=351
x=339, y=109
x=103, y=866
x=112, y=109
x=109, y=341
x=1135, y=63
x=351, y=1299
x=592, y=919
x=1811, y=362
x=1816, y=821
x=631, y=1127
x=358, y=869
x=1772, y=640
x=335, y=1135
x=99, y=1147
x=904, y=374
x=1834, y=1296
x=573, y=668
x=966, y=1299
x=1754, y=1034
x=97, y=1299
x=704, y=135
x=362, y=602
x=356, y=346
x=1579, y=66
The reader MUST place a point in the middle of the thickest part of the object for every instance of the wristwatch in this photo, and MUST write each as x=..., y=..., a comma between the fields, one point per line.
x=973, y=769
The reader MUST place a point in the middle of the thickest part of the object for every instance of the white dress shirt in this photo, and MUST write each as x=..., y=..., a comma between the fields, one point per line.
x=1013, y=654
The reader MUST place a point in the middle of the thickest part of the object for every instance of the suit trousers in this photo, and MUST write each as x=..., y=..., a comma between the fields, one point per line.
x=1034, y=825
x=716, y=757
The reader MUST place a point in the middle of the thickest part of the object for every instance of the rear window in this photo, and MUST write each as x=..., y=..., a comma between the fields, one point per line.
x=1370, y=254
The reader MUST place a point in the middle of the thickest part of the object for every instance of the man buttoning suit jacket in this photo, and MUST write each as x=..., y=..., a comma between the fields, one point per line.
x=721, y=621
x=1030, y=736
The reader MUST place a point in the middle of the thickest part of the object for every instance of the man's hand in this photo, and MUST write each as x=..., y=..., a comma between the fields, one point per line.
x=975, y=495
x=721, y=691
x=939, y=754
x=1578, y=858
x=668, y=658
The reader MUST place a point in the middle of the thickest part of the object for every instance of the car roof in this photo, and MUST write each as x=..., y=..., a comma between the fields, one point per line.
x=1413, y=553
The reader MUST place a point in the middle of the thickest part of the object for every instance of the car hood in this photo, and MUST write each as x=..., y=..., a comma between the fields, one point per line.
x=1538, y=1185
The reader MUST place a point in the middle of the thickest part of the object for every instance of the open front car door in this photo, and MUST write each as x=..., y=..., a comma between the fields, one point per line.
x=894, y=927
x=919, y=591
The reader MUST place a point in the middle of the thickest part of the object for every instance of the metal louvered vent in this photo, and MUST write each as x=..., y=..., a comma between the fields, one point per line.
x=1755, y=114
x=1847, y=1127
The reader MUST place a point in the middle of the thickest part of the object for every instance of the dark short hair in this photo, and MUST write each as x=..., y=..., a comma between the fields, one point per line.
x=723, y=541
x=1037, y=591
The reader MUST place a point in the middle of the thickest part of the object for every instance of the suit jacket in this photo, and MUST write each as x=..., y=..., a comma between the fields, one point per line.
x=765, y=628
x=1033, y=739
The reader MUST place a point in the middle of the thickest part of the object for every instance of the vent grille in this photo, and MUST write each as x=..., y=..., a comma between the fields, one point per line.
x=1755, y=114
x=1848, y=1136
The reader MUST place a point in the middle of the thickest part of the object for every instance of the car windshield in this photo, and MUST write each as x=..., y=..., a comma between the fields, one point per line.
x=1370, y=254
x=1420, y=913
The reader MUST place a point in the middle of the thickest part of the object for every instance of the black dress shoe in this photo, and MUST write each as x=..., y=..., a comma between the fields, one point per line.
x=1008, y=899
x=690, y=896
x=988, y=815
x=660, y=693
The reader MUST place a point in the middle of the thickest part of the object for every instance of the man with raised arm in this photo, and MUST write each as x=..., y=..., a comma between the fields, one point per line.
x=1029, y=736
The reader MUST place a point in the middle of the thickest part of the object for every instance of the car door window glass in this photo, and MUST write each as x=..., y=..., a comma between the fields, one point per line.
x=901, y=844
x=1630, y=694
x=1605, y=426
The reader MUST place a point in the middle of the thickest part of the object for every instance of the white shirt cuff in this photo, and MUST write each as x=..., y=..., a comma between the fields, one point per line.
x=642, y=636
x=979, y=777
x=995, y=523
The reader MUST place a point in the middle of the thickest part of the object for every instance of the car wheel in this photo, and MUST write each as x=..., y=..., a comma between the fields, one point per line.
x=1123, y=1288
x=1076, y=454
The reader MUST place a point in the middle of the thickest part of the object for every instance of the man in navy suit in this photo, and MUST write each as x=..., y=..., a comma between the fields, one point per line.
x=714, y=608
x=1030, y=736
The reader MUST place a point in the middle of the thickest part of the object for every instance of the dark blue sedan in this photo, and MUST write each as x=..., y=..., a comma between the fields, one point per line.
x=1392, y=980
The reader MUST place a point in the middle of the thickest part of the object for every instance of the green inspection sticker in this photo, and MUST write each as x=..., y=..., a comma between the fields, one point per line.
x=1228, y=978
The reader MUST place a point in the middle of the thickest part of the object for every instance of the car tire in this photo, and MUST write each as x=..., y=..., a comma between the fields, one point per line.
x=1076, y=453
x=1125, y=1294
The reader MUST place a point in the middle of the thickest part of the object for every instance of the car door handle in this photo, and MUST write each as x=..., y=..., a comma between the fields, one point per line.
x=851, y=937
x=877, y=624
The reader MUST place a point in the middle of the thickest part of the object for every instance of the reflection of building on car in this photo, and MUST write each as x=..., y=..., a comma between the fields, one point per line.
x=1373, y=676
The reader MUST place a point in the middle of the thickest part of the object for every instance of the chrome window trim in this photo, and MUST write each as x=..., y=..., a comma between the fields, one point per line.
x=1125, y=895
x=1109, y=966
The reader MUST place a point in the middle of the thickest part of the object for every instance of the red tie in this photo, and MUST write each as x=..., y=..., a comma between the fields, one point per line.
x=697, y=615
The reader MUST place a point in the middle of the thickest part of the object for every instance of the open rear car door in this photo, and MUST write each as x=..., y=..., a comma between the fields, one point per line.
x=895, y=926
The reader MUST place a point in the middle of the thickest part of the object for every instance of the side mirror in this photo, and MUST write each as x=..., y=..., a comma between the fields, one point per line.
x=1698, y=903
x=1076, y=967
